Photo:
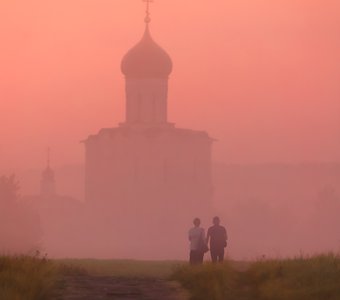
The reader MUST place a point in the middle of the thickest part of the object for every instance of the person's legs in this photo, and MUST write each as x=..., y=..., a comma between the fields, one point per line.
x=221, y=255
x=213, y=254
x=200, y=256
x=196, y=257
x=192, y=257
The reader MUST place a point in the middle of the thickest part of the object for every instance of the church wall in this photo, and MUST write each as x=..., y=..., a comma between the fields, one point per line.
x=155, y=176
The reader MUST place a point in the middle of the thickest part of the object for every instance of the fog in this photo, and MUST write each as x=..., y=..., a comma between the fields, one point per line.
x=260, y=77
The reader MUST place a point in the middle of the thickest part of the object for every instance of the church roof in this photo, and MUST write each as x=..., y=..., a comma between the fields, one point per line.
x=147, y=59
x=155, y=132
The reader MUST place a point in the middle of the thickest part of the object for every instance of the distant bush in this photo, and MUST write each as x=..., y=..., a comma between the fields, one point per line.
x=303, y=278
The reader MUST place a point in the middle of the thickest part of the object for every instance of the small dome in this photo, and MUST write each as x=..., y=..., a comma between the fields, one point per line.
x=146, y=60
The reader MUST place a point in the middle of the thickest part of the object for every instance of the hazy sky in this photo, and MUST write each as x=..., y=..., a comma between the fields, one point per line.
x=261, y=76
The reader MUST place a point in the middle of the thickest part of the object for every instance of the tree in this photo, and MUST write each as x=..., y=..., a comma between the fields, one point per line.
x=9, y=188
x=20, y=229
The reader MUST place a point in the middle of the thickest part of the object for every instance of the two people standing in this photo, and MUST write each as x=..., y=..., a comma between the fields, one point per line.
x=217, y=236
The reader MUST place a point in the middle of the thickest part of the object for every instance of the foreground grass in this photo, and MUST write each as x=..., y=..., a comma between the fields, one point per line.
x=36, y=278
x=314, y=278
x=24, y=277
x=303, y=278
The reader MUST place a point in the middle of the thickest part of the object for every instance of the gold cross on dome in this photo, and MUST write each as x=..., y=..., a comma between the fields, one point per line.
x=147, y=17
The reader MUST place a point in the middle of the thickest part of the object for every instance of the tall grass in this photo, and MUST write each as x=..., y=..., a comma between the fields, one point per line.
x=314, y=278
x=302, y=278
x=26, y=278
x=208, y=281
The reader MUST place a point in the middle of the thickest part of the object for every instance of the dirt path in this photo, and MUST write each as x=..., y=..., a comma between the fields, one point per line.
x=87, y=287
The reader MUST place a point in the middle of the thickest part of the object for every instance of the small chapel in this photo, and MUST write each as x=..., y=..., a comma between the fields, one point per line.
x=146, y=177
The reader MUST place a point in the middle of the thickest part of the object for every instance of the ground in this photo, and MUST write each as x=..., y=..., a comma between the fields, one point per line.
x=88, y=287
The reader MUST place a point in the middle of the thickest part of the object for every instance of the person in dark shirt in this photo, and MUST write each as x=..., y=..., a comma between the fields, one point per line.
x=217, y=235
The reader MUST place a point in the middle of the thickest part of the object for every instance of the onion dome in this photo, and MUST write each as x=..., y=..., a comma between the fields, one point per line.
x=146, y=60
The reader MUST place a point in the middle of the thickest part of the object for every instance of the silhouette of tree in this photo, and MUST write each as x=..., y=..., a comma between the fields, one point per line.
x=325, y=221
x=9, y=188
x=20, y=229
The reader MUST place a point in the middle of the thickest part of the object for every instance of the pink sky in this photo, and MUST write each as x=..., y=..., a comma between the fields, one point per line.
x=260, y=76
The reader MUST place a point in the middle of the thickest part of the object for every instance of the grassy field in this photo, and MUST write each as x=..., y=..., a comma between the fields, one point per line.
x=36, y=278
x=303, y=278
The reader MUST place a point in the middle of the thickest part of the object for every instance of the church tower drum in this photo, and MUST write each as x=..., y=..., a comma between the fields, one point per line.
x=146, y=173
x=146, y=68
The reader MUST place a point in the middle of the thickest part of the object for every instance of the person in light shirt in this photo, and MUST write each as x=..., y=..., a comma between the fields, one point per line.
x=196, y=237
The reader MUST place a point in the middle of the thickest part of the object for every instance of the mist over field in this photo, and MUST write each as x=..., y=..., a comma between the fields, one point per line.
x=253, y=92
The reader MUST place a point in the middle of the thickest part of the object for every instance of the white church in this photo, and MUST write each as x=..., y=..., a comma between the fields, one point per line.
x=147, y=177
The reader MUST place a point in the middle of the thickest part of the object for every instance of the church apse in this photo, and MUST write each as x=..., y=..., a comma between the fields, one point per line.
x=147, y=172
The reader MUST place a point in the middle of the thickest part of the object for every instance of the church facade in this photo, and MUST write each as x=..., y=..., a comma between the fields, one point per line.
x=147, y=172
